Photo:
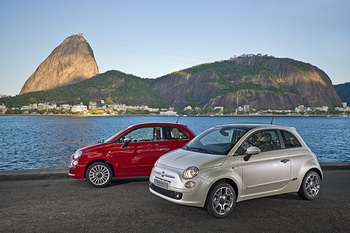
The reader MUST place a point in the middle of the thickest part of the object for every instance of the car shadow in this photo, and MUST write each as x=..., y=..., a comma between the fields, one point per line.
x=122, y=181
x=287, y=196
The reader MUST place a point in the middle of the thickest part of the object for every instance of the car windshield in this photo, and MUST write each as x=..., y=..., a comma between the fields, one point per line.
x=218, y=140
x=110, y=138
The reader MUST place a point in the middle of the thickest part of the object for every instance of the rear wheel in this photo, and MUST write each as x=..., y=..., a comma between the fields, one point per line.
x=310, y=187
x=221, y=200
x=99, y=174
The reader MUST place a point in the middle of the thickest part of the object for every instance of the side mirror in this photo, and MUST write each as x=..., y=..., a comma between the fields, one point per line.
x=223, y=133
x=126, y=142
x=253, y=150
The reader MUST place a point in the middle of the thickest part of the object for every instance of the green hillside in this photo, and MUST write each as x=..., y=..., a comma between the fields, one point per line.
x=112, y=86
x=343, y=91
x=263, y=82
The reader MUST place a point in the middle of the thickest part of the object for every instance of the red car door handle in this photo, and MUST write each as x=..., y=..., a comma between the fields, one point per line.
x=164, y=149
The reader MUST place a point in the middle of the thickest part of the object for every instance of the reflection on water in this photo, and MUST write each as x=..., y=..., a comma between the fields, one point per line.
x=31, y=142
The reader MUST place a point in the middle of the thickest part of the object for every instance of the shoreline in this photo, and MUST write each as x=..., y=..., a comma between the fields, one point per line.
x=190, y=115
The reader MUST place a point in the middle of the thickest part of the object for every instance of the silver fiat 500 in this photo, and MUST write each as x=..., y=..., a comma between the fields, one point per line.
x=236, y=162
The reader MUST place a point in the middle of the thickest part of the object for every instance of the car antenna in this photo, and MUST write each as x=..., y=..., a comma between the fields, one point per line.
x=272, y=120
x=177, y=120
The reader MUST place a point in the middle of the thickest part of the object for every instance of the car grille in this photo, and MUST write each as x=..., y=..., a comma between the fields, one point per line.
x=168, y=193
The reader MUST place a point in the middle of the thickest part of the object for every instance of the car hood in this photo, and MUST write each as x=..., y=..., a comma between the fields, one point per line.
x=183, y=159
x=91, y=146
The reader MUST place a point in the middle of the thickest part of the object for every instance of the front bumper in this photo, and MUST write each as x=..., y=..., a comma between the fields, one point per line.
x=177, y=192
x=76, y=171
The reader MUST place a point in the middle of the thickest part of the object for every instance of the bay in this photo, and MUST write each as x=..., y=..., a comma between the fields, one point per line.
x=34, y=142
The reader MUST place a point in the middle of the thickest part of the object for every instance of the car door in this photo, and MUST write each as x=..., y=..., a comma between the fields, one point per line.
x=137, y=157
x=269, y=170
x=174, y=138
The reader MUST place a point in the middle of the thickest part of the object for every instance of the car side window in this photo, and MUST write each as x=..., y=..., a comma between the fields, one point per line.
x=290, y=140
x=266, y=140
x=144, y=134
x=174, y=133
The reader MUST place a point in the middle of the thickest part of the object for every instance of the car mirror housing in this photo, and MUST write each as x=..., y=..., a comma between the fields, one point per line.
x=126, y=142
x=253, y=150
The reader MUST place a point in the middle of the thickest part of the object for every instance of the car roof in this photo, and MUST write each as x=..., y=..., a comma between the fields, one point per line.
x=156, y=123
x=182, y=126
x=249, y=126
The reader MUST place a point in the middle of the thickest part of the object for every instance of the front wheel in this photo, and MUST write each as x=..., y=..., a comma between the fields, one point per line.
x=310, y=187
x=221, y=200
x=99, y=174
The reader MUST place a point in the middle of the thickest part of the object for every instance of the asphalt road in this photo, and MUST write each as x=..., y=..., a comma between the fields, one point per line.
x=70, y=205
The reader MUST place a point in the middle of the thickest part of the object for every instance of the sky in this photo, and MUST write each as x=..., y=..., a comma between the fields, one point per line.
x=152, y=38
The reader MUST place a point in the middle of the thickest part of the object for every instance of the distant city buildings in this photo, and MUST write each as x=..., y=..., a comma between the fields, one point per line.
x=102, y=108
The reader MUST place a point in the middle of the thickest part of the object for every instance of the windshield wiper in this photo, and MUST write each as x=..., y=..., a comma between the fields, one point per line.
x=197, y=149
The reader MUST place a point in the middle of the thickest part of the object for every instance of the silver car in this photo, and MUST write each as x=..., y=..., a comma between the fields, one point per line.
x=237, y=162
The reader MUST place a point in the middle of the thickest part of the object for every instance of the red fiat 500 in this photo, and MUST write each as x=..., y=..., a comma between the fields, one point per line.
x=131, y=152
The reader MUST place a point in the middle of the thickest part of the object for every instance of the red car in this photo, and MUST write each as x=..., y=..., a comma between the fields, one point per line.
x=131, y=152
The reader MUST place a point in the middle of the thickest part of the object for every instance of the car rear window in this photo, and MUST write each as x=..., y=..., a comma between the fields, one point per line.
x=290, y=140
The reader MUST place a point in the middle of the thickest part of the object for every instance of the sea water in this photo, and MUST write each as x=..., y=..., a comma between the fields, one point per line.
x=34, y=142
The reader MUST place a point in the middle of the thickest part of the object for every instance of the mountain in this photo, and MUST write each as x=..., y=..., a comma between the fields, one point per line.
x=343, y=91
x=111, y=86
x=71, y=62
x=263, y=82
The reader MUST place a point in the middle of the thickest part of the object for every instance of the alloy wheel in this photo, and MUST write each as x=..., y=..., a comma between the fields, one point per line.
x=223, y=200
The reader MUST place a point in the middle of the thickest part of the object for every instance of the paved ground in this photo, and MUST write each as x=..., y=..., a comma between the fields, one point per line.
x=65, y=204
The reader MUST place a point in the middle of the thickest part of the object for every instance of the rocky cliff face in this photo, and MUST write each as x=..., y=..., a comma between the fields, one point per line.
x=71, y=62
x=263, y=82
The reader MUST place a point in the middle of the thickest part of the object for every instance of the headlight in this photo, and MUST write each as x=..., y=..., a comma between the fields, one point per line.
x=155, y=164
x=190, y=172
x=77, y=154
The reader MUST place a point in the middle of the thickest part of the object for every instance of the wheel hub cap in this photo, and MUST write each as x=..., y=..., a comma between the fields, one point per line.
x=312, y=185
x=223, y=200
x=99, y=175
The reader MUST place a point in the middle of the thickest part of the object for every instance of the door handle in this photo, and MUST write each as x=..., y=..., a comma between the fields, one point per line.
x=285, y=160
x=164, y=149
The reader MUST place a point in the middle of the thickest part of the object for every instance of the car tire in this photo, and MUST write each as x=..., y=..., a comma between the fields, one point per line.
x=99, y=174
x=310, y=186
x=221, y=200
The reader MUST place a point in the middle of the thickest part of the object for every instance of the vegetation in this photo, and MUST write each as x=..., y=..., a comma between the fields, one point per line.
x=248, y=72
x=343, y=91
x=113, y=86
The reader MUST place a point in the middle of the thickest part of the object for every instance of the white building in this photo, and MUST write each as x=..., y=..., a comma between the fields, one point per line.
x=79, y=108
x=3, y=108
x=246, y=108
x=92, y=106
x=168, y=113
x=188, y=108
x=221, y=109
x=65, y=107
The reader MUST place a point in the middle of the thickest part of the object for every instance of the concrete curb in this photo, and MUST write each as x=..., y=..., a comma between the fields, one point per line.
x=32, y=174
x=335, y=165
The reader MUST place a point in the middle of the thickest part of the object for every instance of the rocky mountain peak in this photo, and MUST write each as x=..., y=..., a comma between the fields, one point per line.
x=71, y=62
x=263, y=82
